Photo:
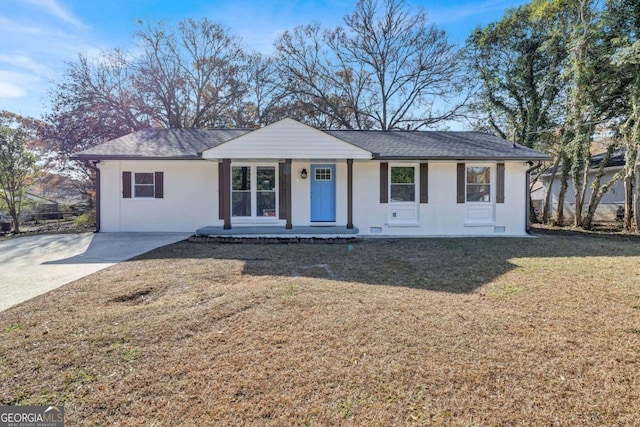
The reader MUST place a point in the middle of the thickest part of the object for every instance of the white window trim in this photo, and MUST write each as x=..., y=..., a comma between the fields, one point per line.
x=416, y=183
x=133, y=186
x=492, y=183
x=254, y=218
x=412, y=207
x=489, y=206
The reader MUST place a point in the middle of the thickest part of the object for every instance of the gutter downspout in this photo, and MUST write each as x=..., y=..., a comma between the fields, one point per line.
x=527, y=228
x=91, y=164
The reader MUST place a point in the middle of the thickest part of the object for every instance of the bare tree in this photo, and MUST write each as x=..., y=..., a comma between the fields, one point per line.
x=96, y=100
x=387, y=68
x=263, y=100
x=190, y=78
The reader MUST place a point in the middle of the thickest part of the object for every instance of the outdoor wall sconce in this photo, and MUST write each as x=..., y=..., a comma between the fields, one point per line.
x=303, y=174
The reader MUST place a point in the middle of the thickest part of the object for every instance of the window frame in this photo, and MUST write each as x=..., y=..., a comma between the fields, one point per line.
x=134, y=194
x=253, y=191
x=326, y=172
x=491, y=183
x=416, y=183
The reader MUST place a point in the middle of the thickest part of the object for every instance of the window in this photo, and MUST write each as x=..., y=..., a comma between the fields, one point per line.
x=323, y=174
x=478, y=184
x=266, y=191
x=403, y=184
x=241, y=191
x=253, y=191
x=143, y=185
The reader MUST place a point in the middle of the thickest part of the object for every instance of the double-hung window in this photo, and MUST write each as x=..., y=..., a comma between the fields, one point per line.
x=266, y=191
x=402, y=184
x=253, y=191
x=143, y=184
x=241, y=191
x=478, y=184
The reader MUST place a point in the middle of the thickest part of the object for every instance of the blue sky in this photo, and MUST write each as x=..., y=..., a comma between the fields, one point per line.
x=37, y=37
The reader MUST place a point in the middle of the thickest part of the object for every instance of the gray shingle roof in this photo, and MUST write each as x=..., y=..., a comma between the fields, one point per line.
x=437, y=145
x=427, y=145
x=161, y=144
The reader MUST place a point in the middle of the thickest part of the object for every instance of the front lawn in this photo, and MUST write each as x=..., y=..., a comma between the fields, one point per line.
x=470, y=332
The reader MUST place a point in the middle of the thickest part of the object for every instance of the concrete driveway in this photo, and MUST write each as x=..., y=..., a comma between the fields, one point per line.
x=31, y=266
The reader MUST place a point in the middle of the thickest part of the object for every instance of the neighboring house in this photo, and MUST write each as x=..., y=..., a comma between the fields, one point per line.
x=39, y=208
x=6, y=223
x=290, y=178
x=612, y=202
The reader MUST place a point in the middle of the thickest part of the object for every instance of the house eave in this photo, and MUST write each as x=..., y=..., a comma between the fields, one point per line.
x=84, y=157
x=464, y=158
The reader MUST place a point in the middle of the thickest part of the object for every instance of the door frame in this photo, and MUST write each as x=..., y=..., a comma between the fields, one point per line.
x=313, y=168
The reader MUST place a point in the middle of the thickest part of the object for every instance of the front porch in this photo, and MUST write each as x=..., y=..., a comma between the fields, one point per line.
x=274, y=231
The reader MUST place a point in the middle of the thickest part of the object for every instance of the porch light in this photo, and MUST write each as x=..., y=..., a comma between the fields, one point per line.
x=303, y=174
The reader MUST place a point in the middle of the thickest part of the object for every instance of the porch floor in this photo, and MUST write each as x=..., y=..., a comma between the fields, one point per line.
x=334, y=231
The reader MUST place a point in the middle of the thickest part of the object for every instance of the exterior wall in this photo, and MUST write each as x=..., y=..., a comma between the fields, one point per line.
x=191, y=200
x=301, y=191
x=442, y=216
x=608, y=207
x=190, y=197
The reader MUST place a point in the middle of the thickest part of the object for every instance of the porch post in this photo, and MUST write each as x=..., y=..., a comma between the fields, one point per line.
x=226, y=193
x=288, y=174
x=349, y=194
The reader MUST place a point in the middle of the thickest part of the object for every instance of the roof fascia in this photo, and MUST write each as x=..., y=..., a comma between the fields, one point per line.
x=115, y=157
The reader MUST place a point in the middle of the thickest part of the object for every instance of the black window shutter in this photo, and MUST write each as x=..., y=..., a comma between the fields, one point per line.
x=424, y=183
x=461, y=184
x=126, y=185
x=384, y=182
x=221, y=192
x=159, y=185
x=500, y=184
x=284, y=171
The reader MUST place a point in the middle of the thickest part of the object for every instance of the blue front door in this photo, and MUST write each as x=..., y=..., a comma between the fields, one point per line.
x=323, y=193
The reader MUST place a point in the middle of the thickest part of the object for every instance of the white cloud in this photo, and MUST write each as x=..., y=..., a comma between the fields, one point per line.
x=54, y=8
x=11, y=26
x=16, y=84
x=10, y=90
x=25, y=63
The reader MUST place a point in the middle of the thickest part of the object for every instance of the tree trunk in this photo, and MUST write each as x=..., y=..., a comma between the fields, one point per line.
x=631, y=159
x=533, y=217
x=597, y=191
x=628, y=201
x=15, y=215
x=579, y=190
x=636, y=204
x=546, y=210
x=566, y=168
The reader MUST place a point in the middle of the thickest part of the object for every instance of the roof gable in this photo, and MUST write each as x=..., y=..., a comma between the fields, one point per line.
x=287, y=139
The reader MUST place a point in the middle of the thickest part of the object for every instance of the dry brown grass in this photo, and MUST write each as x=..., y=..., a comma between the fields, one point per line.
x=470, y=332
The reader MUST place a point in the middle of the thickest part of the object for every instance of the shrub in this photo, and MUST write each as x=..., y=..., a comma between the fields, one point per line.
x=86, y=219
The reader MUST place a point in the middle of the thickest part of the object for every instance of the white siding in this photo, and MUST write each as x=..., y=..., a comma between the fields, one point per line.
x=301, y=191
x=191, y=200
x=190, y=197
x=442, y=216
x=286, y=139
